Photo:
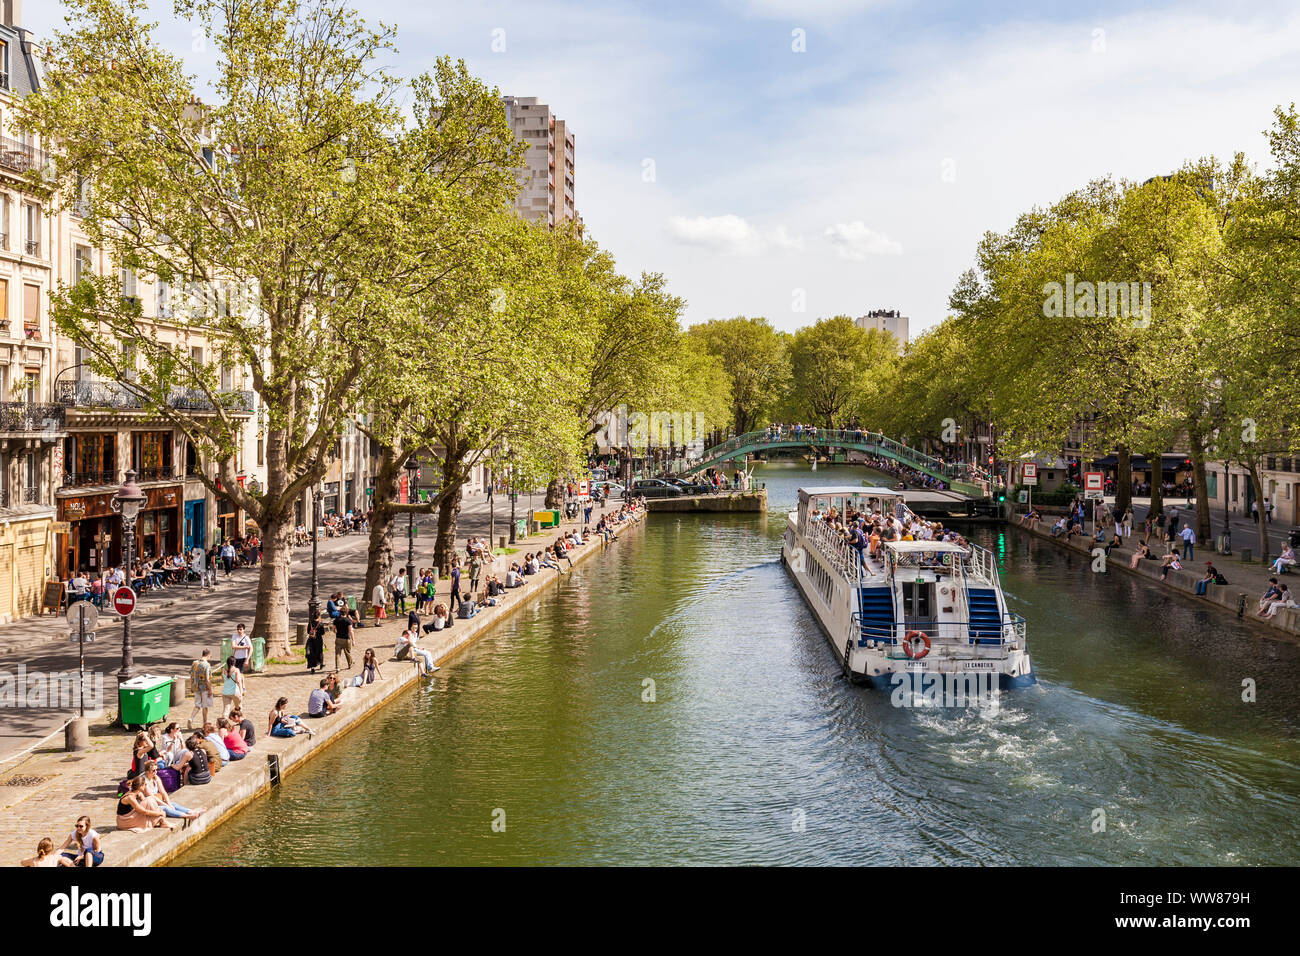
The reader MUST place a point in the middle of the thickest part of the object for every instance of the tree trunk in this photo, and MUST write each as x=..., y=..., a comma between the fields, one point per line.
x=1204, y=534
x=1257, y=482
x=1154, y=463
x=379, y=560
x=272, y=619
x=448, y=516
x=1123, y=480
x=555, y=493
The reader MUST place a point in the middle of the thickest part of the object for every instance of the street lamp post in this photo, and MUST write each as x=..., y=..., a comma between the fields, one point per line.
x=127, y=503
x=313, y=606
x=513, y=494
x=413, y=474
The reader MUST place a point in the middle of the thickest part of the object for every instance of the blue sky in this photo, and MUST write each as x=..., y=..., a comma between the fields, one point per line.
x=860, y=171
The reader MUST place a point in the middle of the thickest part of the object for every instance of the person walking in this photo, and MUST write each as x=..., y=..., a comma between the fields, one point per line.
x=379, y=601
x=343, y=640
x=241, y=647
x=228, y=556
x=1189, y=542
x=399, y=592
x=455, y=584
x=475, y=570
x=1254, y=511
x=201, y=686
x=232, y=687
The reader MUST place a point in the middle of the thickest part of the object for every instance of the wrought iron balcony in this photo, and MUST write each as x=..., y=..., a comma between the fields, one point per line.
x=159, y=473
x=20, y=157
x=116, y=395
x=31, y=496
x=85, y=479
x=31, y=417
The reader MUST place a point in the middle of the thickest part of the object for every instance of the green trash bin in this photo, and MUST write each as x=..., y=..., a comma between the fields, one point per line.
x=143, y=700
x=227, y=651
x=258, y=663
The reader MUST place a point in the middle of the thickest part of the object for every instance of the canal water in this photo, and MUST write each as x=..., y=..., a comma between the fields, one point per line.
x=680, y=705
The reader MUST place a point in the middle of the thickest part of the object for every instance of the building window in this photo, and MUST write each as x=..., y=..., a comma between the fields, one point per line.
x=128, y=283
x=260, y=452
x=32, y=385
x=151, y=454
x=32, y=220
x=4, y=305
x=82, y=263
x=164, y=300
x=4, y=49
x=82, y=205
x=4, y=222
x=32, y=480
x=31, y=311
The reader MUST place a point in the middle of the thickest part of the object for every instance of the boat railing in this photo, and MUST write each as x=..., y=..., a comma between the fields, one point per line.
x=981, y=565
x=837, y=552
x=948, y=639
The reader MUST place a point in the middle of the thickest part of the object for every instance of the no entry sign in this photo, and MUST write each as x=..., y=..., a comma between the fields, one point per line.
x=124, y=601
x=1092, y=481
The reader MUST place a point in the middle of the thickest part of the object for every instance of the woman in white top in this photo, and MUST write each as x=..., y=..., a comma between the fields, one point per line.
x=378, y=599
x=84, y=842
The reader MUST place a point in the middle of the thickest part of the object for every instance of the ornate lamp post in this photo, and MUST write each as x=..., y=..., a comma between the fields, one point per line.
x=127, y=503
x=313, y=606
x=513, y=495
x=413, y=476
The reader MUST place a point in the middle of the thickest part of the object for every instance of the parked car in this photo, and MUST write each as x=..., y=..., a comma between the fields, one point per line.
x=691, y=487
x=616, y=488
x=655, y=488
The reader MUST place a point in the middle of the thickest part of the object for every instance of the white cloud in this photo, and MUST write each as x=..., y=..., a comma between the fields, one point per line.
x=732, y=235
x=853, y=240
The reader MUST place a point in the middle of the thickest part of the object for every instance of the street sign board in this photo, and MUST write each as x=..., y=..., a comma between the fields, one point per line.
x=1029, y=473
x=1094, y=495
x=83, y=612
x=1023, y=497
x=124, y=601
x=1092, y=481
x=75, y=638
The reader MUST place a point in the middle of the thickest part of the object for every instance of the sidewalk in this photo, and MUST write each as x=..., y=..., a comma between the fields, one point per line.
x=1248, y=580
x=42, y=794
x=170, y=628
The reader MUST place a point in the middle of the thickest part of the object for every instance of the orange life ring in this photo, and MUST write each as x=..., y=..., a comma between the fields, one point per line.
x=908, y=645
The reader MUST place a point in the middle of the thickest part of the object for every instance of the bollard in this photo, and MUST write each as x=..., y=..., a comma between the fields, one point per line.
x=178, y=690
x=1245, y=555
x=300, y=637
x=501, y=541
x=76, y=735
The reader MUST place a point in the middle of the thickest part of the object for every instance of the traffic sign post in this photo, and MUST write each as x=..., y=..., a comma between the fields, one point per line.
x=1029, y=473
x=82, y=616
x=124, y=600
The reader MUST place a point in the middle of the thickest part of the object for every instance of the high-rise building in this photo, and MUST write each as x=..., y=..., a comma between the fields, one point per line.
x=546, y=178
x=886, y=320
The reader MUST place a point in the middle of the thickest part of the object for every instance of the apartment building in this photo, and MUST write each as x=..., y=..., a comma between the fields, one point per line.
x=886, y=320
x=32, y=426
x=546, y=178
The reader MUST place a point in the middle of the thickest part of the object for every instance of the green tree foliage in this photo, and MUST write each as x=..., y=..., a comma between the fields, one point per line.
x=755, y=358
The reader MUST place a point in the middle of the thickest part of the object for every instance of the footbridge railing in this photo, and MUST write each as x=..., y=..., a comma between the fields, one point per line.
x=856, y=439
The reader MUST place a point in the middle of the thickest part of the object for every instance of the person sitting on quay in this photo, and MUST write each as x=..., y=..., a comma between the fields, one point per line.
x=469, y=607
x=137, y=811
x=1169, y=563
x=441, y=618
x=1143, y=551
x=1212, y=576
x=282, y=724
x=199, y=770
x=334, y=606
x=1283, y=600
x=244, y=726
x=422, y=658
x=514, y=577
x=1059, y=528
x=232, y=736
x=1271, y=594
x=216, y=736
x=1284, y=560
x=200, y=741
x=153, y=787
x=172, y=751
x=83, y=842
x=370, y=666
x=319, y=703
x=45, y=855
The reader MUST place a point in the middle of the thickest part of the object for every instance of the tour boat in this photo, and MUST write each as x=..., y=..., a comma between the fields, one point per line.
x=919, y=608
